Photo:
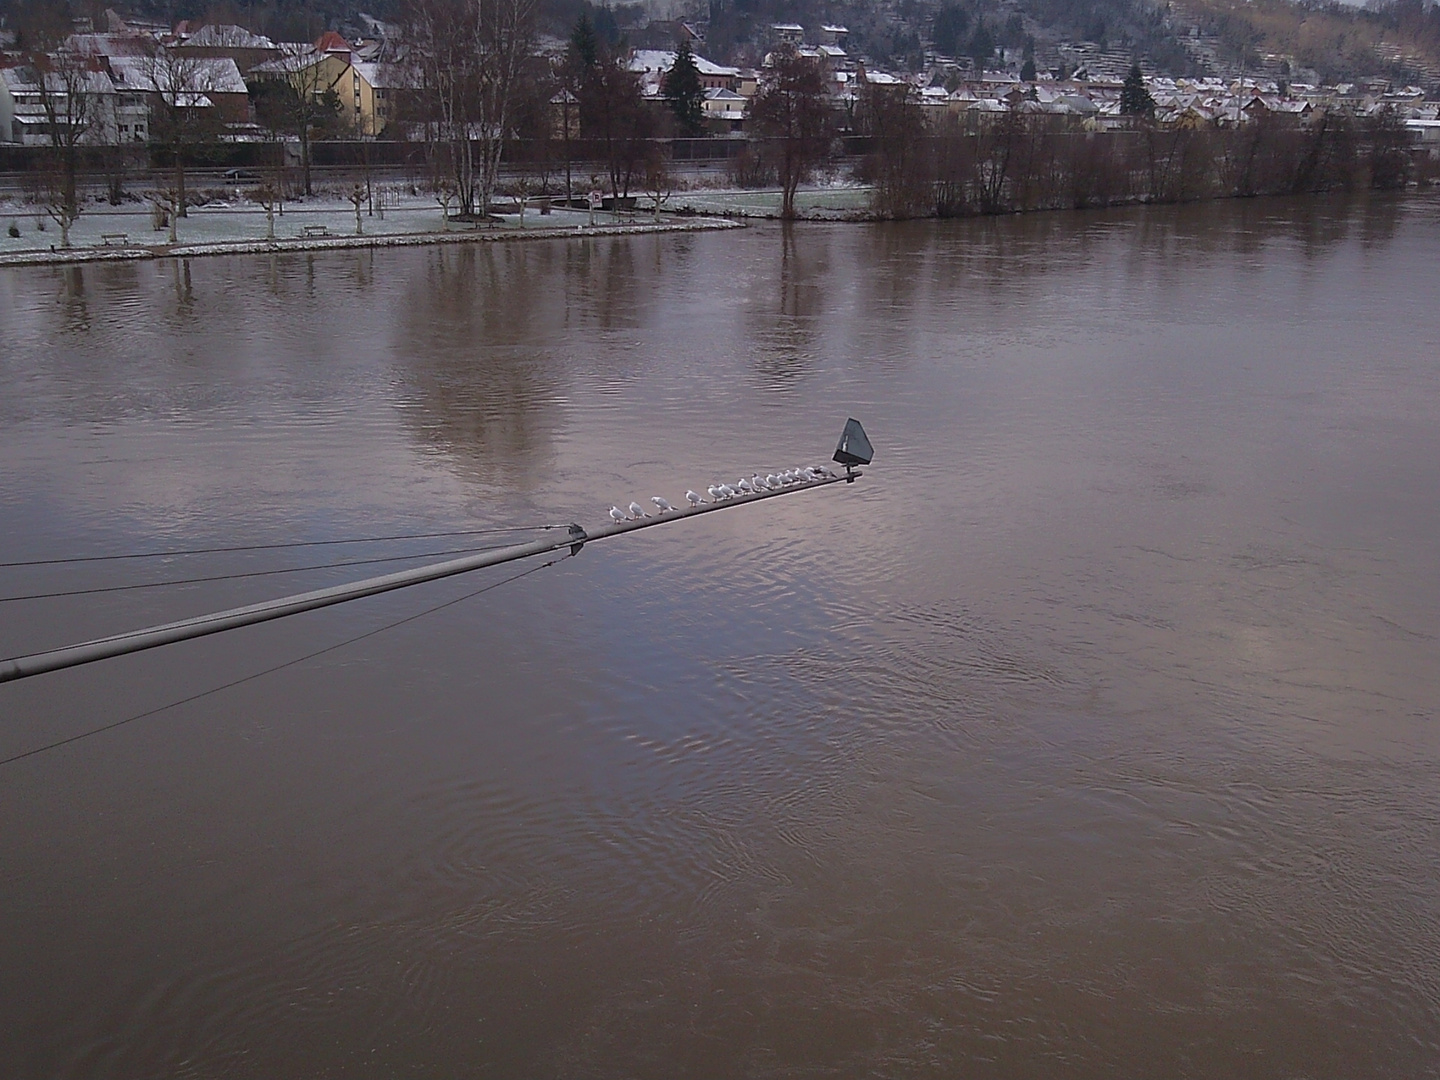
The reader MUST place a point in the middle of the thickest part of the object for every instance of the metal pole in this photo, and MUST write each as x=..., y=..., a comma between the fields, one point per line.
x=150, y=637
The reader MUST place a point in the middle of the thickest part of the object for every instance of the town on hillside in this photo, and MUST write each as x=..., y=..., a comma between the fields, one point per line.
x=126, y=73
x=476, y=108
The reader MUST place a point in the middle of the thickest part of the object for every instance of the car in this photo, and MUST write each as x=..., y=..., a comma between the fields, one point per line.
x=239, y=175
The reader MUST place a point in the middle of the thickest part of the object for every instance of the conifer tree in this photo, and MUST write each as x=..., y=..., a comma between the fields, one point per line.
x=684, y=92
x=1135, y=100
x=584, y=44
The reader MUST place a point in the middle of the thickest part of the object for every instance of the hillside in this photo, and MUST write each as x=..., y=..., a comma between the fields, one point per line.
x=1275, y=38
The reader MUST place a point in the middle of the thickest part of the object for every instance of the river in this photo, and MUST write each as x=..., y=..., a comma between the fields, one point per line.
x=1093, y=733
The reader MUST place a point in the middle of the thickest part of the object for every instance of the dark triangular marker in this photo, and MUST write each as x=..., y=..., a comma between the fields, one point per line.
x=854, y=448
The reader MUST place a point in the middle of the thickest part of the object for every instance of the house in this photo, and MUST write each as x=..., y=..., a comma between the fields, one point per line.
x=194, y=82
x=232, y=42
x=367, y=91
x=26, y=119
x=724, y=110
x=652, y=65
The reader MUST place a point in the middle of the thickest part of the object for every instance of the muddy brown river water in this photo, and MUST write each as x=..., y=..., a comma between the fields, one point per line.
x=1094, y=733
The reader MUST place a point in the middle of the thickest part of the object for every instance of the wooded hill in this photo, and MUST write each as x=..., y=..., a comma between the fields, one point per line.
x=1399, y=39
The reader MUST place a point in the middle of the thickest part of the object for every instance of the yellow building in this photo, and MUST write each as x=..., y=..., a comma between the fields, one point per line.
x=366, y=93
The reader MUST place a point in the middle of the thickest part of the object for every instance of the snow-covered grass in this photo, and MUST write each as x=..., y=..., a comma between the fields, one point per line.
x=224, y=221
x=826, y=201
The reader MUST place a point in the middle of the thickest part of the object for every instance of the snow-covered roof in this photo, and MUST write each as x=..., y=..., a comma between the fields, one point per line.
x=659, y=61
x=384, y=76
x=111, y=45
x=330, y=42
x=294, y=57
x=178, y=74
x=225, y=36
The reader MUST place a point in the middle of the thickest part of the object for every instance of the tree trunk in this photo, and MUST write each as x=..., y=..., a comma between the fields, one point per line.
x=305, y=158
x=180, y=200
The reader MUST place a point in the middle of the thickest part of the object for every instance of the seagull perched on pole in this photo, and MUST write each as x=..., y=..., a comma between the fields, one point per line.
x=744, y=485
x=715, y=492
x=661, y=504
x=695, y=499
x=772, y=481
x=616, y=514
x=637, y=511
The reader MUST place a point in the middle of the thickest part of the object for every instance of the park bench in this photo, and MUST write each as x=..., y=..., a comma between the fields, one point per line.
x=309, y=231
x=114, y=239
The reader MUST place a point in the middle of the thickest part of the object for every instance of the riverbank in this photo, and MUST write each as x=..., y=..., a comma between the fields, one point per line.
x=122, y=252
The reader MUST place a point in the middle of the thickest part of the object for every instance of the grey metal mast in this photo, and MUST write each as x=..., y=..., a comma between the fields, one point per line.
x=86, y=652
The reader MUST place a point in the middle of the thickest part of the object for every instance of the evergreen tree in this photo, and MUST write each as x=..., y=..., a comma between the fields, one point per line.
x=684, y=92
x=1027, y=71
x=947, y=33
x=982, y=46
x=584, y=44
x=1135, y=100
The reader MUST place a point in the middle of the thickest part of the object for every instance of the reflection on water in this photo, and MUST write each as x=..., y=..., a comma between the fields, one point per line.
x=1093, y=732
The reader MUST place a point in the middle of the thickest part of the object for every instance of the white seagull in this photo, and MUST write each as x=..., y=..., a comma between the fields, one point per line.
x=727, y=491
x=744, y=485
x=715, y=492
x=636, y=510
x=758, y=483
x=772, y=481
x=661, y=504
x=616, y=514
x=695, y=499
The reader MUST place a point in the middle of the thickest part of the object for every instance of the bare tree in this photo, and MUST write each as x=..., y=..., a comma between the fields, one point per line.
x=612, y=110
x=792, y=112
x=167, y=203
x=444, y=195
x=296, y=96
x=182, y=115
x=899, y=166
x=357, y=199
x=470, y=55
x=506, y=35
x=266, y=197
x=659, y=180
x=68, y=85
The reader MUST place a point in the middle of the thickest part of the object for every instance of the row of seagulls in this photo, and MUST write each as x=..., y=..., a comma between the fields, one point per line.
x=755, y=484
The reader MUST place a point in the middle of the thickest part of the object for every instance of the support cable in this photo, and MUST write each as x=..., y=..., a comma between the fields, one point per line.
x=278, y=667
x=273, y=547
x=243, y=574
